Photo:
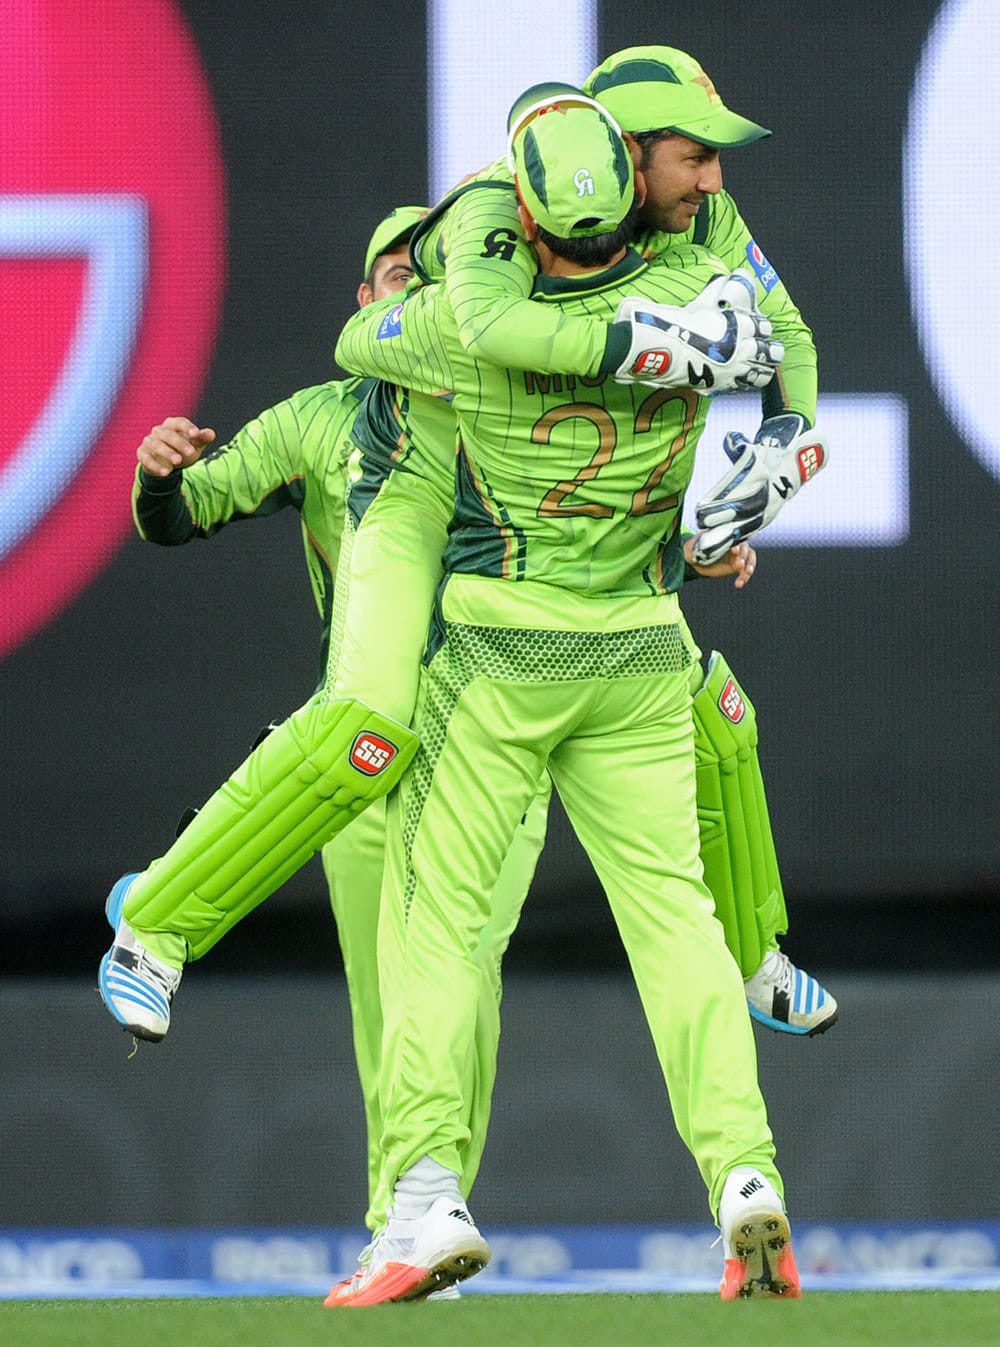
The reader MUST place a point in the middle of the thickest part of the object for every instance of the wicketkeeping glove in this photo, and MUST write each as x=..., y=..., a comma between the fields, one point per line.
x=717, y=342
x=766, y=472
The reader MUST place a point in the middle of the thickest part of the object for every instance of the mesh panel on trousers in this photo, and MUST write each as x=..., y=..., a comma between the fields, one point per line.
x=519, y=655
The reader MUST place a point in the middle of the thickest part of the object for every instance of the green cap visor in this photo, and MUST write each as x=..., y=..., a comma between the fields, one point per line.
x=399, y=224
x=661, y=88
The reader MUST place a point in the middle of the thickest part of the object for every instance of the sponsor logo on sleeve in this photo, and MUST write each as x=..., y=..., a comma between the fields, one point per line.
x=392, y=324
x=765, y=273
x=371, y=754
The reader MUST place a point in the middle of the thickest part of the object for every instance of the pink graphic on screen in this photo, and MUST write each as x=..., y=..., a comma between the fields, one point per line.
x=112, y=268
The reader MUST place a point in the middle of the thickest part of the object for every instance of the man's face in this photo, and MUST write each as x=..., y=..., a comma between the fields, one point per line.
x=390, y=273
x=679, y=174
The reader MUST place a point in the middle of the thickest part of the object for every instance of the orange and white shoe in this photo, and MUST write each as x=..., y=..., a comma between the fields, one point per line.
x=411, y=1260
x=757, y=1240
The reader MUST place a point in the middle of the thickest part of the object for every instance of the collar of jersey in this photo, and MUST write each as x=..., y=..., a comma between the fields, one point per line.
x=592, y=282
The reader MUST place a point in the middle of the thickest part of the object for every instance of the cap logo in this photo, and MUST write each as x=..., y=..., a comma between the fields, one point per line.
x=583, y=182
x=708, y=86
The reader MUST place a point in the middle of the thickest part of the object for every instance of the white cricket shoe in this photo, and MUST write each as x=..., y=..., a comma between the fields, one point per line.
x=784, y=998
x=135, y=986
x=410, y=1260
x=757, y=1240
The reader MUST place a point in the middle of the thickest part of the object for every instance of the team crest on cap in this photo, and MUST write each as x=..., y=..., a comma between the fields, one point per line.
x=371, y=754
x=731, y=702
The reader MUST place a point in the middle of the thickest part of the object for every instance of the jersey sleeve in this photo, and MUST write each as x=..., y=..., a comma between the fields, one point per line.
x=403, y=342
x=261, y=470
x=490, y=269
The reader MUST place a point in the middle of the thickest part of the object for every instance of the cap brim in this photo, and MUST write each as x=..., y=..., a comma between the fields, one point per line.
x=723, y=130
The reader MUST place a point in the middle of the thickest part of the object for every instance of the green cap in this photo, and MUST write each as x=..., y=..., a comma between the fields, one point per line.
x=572, y=168
x=399, y=224
x=661, y=88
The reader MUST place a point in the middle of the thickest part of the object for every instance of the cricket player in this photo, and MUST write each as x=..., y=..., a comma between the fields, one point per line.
x=473, y=242
x=556, y=647
x=295, y=455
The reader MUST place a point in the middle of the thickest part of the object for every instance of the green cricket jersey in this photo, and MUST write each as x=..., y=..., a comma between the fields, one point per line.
x=473, y=241
x=292, y=455
x=572, y=481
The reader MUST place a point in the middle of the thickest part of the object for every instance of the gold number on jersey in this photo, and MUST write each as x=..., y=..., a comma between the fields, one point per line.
x=607, y=438
x=641, y=503
x=554, y=502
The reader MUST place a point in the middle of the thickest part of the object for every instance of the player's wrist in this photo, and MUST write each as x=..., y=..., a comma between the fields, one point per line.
x=160, y=486
x=619, y=343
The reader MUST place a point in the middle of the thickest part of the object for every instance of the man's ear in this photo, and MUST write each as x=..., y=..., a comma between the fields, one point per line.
x=634, y=148
x=365, y=295
x=528, y=222
x=640, y=189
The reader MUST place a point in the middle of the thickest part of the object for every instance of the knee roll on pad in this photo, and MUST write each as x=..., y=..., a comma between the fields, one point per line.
x=302, y=785
x=737, y=848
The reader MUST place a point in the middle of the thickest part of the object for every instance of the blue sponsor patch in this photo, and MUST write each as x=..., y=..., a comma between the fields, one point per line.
x=392, y=324
x=766, y=274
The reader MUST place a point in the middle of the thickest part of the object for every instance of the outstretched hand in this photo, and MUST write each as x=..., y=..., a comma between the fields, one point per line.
x=175, y=443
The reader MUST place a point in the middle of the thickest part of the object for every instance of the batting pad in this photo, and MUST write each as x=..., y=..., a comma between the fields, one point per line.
x=737, y=849
x=302, y=785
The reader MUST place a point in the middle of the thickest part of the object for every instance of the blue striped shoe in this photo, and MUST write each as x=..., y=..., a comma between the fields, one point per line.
x=784, y=998
x=135, y=986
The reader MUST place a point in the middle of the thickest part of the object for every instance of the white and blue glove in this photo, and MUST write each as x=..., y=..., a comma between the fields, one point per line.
x=716, y=343
x=767, y=472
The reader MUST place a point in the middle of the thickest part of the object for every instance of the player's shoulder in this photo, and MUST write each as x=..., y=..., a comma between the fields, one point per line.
x=323, y=400
x=478, y=196
x=300, y=424
x=686, y=265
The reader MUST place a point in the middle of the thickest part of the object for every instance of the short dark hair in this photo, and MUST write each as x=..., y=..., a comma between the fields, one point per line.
x=595, y=249
x=647, y=139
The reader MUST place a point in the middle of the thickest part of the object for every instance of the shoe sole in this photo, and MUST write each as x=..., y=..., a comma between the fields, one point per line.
x=405, y=1282
x=783, y=1027
x=763, y=1266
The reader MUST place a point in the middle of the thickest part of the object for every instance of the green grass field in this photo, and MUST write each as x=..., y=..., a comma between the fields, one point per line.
x=824, y=1319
